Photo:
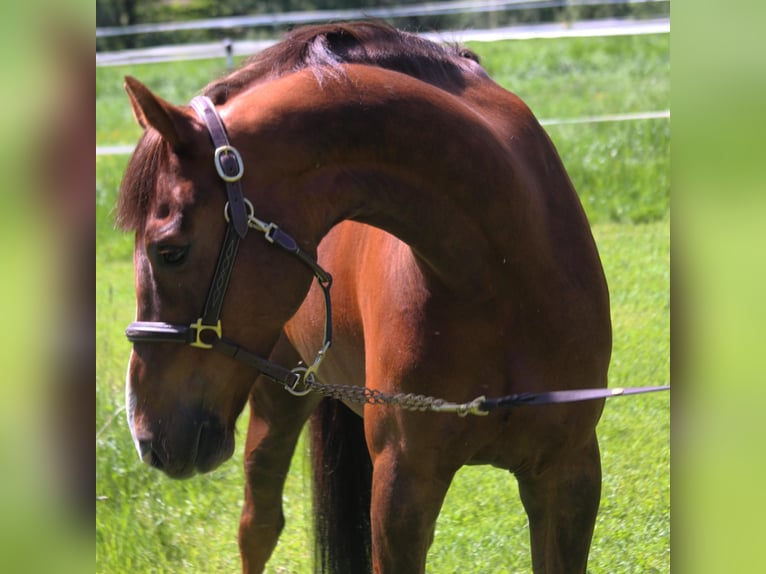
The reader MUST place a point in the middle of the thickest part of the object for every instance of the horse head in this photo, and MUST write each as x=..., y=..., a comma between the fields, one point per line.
x=183, y=400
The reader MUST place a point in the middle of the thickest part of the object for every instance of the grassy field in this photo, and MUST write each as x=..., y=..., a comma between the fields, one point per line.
x=148, y=523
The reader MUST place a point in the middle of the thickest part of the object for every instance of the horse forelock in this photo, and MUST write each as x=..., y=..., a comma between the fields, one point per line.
x=324, y=48
x=139, y=182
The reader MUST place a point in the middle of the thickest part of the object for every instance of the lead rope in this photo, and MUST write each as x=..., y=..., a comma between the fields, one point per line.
x=479, y=406
x=407, y=401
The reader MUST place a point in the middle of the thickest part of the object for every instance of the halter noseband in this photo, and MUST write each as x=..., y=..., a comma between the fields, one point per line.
x=207, y=332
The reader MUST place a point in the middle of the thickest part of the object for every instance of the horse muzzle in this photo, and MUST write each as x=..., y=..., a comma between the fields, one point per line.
x=178, y=439
x=183, y=452
x=190, y=442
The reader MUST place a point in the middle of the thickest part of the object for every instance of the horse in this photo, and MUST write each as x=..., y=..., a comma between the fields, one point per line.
x=393, y=172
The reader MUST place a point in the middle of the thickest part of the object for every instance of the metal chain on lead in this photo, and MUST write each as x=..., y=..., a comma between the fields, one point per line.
x=408, y=401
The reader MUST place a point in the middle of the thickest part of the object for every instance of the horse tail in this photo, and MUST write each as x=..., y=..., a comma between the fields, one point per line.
x=342, y=477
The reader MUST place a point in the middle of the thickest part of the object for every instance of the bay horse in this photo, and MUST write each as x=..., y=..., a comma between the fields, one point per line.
x=462, y=265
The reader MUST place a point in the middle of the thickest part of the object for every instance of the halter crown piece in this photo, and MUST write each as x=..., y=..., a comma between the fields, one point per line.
x=207, y=331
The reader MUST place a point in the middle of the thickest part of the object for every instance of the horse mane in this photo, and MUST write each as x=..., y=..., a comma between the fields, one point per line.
x=323, y=49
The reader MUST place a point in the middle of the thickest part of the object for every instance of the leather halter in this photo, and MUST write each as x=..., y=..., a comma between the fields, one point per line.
x=207, y=331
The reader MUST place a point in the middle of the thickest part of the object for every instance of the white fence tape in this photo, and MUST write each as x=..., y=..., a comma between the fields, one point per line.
x=629, y=117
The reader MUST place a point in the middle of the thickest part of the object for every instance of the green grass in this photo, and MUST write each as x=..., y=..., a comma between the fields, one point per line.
x=148, y=523
x=604, y=75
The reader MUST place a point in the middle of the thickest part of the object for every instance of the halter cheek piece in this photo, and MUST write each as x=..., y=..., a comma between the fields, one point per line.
x=207, y=332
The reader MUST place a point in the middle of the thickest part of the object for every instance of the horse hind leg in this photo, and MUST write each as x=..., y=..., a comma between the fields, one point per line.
x=561, y=503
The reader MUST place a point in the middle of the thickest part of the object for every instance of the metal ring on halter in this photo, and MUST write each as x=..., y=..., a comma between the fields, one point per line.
x=250, y=210
x=293, y=389
x=252, y=221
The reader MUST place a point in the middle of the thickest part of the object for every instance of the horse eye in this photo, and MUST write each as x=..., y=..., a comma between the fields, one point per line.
x=171, y=255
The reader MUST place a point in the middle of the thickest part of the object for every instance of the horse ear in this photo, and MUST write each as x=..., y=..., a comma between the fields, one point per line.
x=176, y=127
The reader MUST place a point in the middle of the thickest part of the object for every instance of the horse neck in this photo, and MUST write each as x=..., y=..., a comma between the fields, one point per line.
x=400, y=155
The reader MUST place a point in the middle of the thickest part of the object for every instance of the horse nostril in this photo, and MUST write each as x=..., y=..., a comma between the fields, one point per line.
x=145, y=451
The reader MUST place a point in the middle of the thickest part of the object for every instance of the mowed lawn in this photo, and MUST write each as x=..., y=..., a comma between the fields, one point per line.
x=149, y=523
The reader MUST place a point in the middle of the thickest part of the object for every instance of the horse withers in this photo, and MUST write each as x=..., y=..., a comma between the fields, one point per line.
x=392, y=173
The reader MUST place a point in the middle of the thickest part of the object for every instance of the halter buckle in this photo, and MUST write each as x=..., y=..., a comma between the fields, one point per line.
x=199, y=328
x=220, y=154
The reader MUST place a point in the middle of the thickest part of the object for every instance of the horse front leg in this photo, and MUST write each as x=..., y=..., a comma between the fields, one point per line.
x=562, y=502
x=408, y=491
x=276, y=420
